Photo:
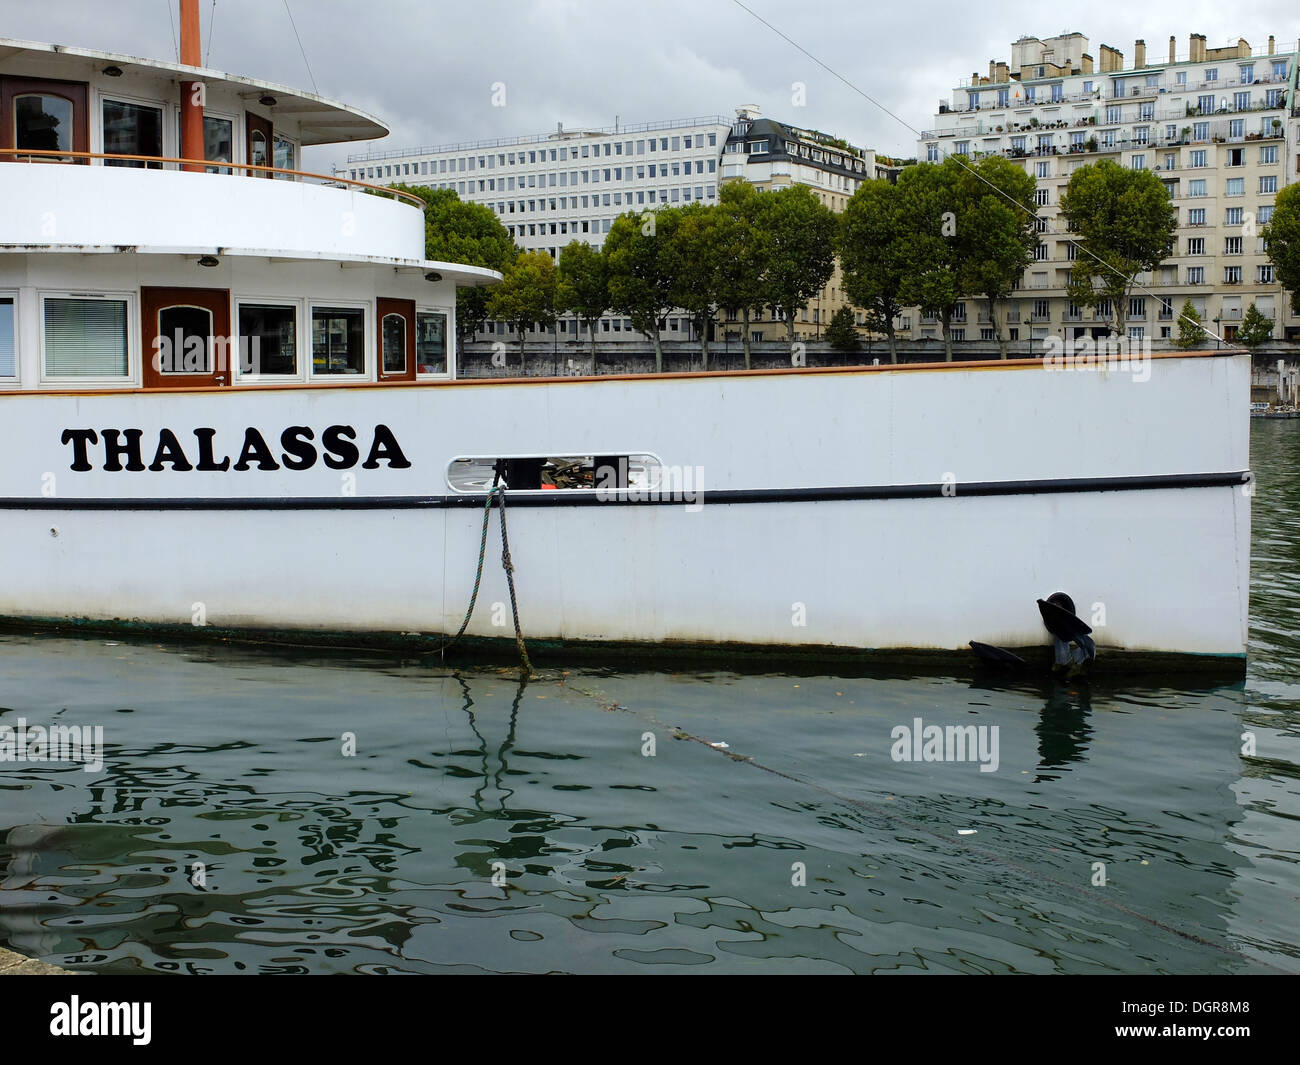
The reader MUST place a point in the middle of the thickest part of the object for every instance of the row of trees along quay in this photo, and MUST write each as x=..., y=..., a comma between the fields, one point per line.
x=945, y=233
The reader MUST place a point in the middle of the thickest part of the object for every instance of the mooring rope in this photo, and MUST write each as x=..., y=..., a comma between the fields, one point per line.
x=497, y=492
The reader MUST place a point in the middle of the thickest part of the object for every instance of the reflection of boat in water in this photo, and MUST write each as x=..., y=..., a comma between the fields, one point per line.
x=202, y=370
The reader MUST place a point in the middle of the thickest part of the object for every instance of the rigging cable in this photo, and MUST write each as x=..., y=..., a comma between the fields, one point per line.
x=301, y=48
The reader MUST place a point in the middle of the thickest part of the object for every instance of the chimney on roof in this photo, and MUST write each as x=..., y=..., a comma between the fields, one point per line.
x=1173, y=48
x=1139, y=54
x=1272, y=44
x=993, y=70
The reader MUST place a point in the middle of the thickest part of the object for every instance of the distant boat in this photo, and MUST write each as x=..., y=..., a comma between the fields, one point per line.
x=229, y=402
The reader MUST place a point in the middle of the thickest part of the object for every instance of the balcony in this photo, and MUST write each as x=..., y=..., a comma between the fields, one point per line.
x=108, y=206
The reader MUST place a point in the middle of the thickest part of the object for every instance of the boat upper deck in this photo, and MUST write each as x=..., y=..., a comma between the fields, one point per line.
x=125, y=176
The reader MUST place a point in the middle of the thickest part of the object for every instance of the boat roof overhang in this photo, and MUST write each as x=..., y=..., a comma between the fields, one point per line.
x=323, y=121
x=460, y=274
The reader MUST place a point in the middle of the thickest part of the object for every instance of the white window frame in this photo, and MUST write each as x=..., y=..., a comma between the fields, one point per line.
x=236, y=136
x=450, y=335
x=368, y=342
x=16, y=380
x=170, y=127
x=131, y=379
x=301, y=356
x=297, y=154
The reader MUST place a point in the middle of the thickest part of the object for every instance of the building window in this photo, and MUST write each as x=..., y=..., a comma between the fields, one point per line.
x=132, y=129
x=1268, y=153
x=1232, y=275
x=1199, y=158
x=1196, y=246
x=1231, y=245
x=1196, y=188
x=1042, y=197
x=1232, y=216
x=1265, y=274
x=1196, y=275
x=1200, y=131
x=1137, y=307
x=85, y=337
x=338, y=340
x=932, y=153
x=1235, y=187
x=1041, y=170
x=1139, y=162
x=1268, y=183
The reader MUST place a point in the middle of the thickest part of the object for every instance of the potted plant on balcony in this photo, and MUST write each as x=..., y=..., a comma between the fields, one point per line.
x=1186, y=133
x=1092, y=143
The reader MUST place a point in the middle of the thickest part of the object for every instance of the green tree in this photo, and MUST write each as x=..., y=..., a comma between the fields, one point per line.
x=742, y=254
x=1124, y=224
x=874, y=253
x=995, y=228
x=469, y=233
x=1255, y=328
x=842, y=333
x=933, y=276
x=640, y=256
x=526, y=296
x=1190, y=330
x=583, y=286
x=800, y=232
x=695, y=260
x=1282, y=239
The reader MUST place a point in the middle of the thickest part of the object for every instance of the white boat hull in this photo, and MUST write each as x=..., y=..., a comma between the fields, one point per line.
x=882, y=509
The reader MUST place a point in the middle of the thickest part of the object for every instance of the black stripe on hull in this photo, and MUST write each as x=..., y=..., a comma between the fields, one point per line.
x=588, y=498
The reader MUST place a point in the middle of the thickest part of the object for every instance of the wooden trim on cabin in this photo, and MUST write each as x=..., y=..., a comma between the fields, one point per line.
x=406, y=310
x=797, y=371
x=153, y=301
x=75, y=92
x=257, y=124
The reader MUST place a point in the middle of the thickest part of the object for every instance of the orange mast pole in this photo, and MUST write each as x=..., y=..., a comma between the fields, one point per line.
x=191, y=91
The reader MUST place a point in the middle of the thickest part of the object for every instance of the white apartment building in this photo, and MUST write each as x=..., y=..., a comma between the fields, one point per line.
x=1220, y=126
x=571, y=184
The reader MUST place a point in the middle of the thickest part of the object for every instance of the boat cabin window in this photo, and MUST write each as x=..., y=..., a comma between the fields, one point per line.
x=268, y=339
x=257, y=154
x=218, y=142
x=431, y=342
x=43, y=115
x=557, y=472
x=184, y=341
x=43, y=122
x=8, y=364
x=286, y=156
x=338, y=340
x=132, y=129
x=394, y=343
x=85, y=336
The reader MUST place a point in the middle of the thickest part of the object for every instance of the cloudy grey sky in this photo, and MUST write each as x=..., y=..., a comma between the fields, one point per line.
x=427, y=67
